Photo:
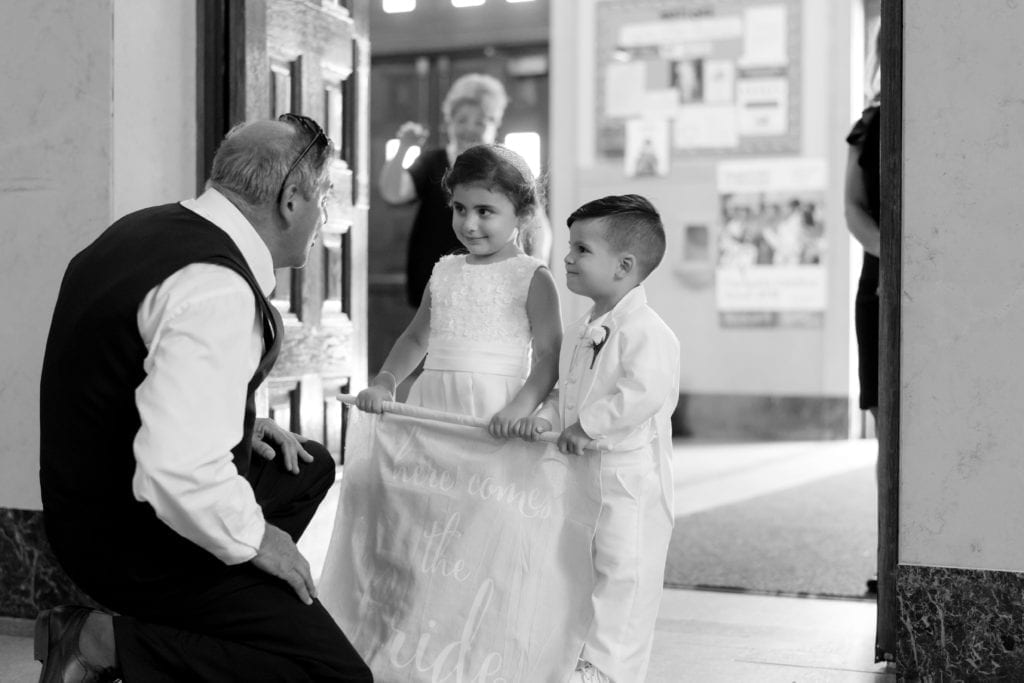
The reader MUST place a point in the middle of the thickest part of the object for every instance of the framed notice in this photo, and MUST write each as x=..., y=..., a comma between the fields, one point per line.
x=725, y=75
x=771, y=246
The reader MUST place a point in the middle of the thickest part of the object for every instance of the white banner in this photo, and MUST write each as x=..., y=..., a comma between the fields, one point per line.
x=459, y=557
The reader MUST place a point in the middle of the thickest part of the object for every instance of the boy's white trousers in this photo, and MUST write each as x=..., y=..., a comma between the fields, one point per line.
x=630, y=547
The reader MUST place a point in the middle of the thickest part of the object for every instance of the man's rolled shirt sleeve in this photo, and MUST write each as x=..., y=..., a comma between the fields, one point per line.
x=204, y=344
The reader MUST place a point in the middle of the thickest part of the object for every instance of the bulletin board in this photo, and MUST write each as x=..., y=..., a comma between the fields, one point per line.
x=697, y=78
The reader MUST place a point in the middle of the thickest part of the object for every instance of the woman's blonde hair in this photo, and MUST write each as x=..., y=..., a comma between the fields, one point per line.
x=481, y=89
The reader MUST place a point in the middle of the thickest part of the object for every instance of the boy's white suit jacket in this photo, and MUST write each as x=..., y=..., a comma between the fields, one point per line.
x=625, y=400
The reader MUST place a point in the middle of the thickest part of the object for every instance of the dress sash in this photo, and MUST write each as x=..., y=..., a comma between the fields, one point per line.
x=509, y=360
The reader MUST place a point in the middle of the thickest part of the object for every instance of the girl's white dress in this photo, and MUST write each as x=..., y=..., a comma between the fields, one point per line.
x=479, y=349
x=454, y=555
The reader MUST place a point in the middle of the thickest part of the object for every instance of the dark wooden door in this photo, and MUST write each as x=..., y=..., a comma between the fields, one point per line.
x=310, y=57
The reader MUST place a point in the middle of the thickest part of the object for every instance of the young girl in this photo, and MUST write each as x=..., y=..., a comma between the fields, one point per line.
x=456, y=555
x=483, y=311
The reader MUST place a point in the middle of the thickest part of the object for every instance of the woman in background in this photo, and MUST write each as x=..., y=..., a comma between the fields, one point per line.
x=473, y=110
x=862, y=204
x=862, y=200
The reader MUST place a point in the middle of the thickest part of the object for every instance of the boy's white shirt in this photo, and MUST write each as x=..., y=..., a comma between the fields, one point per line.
x=625, y=401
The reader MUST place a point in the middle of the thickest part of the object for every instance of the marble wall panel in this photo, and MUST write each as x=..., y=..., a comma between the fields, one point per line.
x=960, y=624
x=31, y=580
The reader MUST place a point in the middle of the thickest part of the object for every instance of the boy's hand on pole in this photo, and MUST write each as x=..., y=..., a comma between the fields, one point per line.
x=573, y=440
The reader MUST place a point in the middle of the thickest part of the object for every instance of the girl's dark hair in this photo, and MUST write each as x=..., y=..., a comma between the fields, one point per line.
x=495, y=167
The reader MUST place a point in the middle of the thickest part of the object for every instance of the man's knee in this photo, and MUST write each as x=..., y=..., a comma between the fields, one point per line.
x=323, y=467
x=318, y=451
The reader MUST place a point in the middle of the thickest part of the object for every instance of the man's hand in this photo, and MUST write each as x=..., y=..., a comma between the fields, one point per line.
x=530, y=428
x=266, y=430
x=573, y=440
x=278, y=556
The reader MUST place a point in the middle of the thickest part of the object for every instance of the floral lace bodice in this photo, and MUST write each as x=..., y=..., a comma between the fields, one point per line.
x=481, y=303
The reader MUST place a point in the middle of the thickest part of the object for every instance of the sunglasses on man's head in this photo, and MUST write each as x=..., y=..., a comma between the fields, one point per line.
x=311, y=127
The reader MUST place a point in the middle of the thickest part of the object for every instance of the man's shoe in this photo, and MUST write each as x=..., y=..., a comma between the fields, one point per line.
x=56, y=646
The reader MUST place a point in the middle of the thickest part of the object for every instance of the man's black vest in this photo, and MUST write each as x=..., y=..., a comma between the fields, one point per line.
x=93, y=364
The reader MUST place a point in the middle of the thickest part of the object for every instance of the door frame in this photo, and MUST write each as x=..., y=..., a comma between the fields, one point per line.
x=220, y=63
x=891, y=223
x=211, y=83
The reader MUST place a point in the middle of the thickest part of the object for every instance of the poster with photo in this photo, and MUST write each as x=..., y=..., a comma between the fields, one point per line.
x=646, y=148
x=771, y=245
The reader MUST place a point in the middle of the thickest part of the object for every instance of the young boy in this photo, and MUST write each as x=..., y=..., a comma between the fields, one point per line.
x=618, y=385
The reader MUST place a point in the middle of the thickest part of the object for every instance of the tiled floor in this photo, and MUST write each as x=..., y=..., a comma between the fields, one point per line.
x=702, y=636
x=710, y=637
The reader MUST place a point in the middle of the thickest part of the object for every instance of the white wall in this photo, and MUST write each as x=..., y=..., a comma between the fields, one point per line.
x=778, y=362
x=84, y=138
x=154, y=103
x=54, y=193
x=962, y=378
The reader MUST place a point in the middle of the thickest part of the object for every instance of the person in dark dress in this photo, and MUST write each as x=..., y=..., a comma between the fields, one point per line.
x=862, y=207
x=473, y=109
x=432, y=236
x=165, y=498
x=862, y=199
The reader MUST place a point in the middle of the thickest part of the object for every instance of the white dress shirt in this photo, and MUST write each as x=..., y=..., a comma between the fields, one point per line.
x=204, y=342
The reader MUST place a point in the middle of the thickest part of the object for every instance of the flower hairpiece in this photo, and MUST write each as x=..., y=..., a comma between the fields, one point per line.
x=598, y=336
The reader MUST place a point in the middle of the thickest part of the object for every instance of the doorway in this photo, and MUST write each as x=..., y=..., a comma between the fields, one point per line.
x=412, y=88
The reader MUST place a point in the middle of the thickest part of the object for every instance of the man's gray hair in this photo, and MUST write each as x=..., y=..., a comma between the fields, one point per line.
x=254, y=168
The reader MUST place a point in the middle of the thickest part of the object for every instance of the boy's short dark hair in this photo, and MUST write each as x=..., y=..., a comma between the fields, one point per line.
x=633, y=226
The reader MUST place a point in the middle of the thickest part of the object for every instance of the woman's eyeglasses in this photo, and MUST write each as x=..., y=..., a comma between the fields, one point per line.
x=313, y=128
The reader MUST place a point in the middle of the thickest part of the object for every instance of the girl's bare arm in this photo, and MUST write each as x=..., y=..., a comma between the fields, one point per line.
x=542, y=309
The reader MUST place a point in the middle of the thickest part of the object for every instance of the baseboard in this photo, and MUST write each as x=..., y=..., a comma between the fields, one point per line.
x=739, y=417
